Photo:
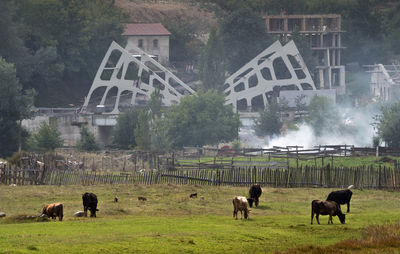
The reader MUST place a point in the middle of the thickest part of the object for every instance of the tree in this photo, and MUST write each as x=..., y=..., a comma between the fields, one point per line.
x=13, y=49
x=160, y=141
x=388, y=125
x=243, y=34
x=155, y=104
x=269, y=123
x=46, y=139
x=14, y=106
x=70, y=37
x=323, y=116
x=212, y=70
x=201, y=119
x=87, y=141
x=124, y=130
x=142, y=130
x=184, y=46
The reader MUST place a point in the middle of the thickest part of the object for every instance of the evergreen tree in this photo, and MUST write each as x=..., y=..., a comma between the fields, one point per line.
x=269, y=123
x=155, y=104
x=124, y=130
x=46, y=139
x=87, y=141
x=142, y=131
x=212, y=67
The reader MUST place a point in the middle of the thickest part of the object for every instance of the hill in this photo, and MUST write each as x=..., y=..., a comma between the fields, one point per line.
x=159, y=11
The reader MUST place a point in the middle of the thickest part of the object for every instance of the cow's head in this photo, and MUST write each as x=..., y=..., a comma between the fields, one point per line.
x=250, y=201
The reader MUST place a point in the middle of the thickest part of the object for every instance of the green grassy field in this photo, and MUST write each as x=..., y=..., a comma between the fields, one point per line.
x=353, y=161
x=170, y=222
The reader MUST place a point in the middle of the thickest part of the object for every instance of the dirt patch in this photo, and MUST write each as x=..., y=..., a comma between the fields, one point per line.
x=23, y=218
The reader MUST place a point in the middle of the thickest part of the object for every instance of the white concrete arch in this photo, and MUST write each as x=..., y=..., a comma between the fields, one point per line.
x=237, y=86
x=148, y=73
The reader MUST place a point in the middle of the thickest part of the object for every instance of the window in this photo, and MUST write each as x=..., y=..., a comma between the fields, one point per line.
x=140, y=43
x=155, y=43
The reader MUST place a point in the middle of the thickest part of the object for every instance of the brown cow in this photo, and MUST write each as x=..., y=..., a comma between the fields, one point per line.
x=240, y=204
x=330, y=208
x=53, y=211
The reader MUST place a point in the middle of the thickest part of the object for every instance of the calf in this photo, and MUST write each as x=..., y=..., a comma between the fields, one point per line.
x=254, y=192
x=193, y=195
x=330, y=208
x=142, y=199
x=89, y=201
x=53, y=211
x=240, y=204
x=341, y=197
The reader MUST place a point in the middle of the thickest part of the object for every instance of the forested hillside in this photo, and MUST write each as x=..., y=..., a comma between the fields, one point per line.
x=56, y=45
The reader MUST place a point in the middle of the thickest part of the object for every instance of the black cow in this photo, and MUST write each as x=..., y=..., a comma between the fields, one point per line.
x=90, y=203
x=341, y=197
x=254, y=192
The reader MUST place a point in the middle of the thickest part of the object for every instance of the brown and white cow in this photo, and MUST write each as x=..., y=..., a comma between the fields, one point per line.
x=240, y=204
x=53, y=211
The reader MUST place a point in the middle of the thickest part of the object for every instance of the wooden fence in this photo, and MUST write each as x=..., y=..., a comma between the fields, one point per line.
x=309, y=176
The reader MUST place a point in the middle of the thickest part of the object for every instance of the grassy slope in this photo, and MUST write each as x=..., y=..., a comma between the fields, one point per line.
x=171, y=222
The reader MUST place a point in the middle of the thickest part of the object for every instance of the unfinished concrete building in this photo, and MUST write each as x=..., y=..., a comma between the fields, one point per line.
x=324, y=35
x=385, y=81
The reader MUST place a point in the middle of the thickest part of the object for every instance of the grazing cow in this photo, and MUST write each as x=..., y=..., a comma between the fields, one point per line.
x=341, y=197
x=254, y=192
x=330, y=208
x=240, y=204
x=53, y=211
x=116, y=200
x=142, y=198
x=89, y=203
x=193, y=195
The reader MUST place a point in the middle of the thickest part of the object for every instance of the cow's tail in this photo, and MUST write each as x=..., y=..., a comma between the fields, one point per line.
x=351, y=186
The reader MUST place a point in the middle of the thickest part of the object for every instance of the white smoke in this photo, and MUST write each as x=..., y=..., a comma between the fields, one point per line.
x=357, y=131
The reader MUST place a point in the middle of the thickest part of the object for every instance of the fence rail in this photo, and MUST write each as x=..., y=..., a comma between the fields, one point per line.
x=308, y=176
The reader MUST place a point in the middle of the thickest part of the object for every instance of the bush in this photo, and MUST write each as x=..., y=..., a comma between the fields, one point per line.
x=87, y=141
x=46, y=139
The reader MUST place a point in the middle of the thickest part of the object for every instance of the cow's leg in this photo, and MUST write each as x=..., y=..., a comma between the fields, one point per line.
x=85, y=210
x=348, y=207
x=312, y=216
x=235, y=214
x=256, y=199
x=61, y=213
x=330, y=219
x=317, y=217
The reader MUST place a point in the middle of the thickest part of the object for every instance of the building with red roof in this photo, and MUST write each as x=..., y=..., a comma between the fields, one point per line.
x=152, y=38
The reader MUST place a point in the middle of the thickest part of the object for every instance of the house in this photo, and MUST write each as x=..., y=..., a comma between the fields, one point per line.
x=152, y=38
